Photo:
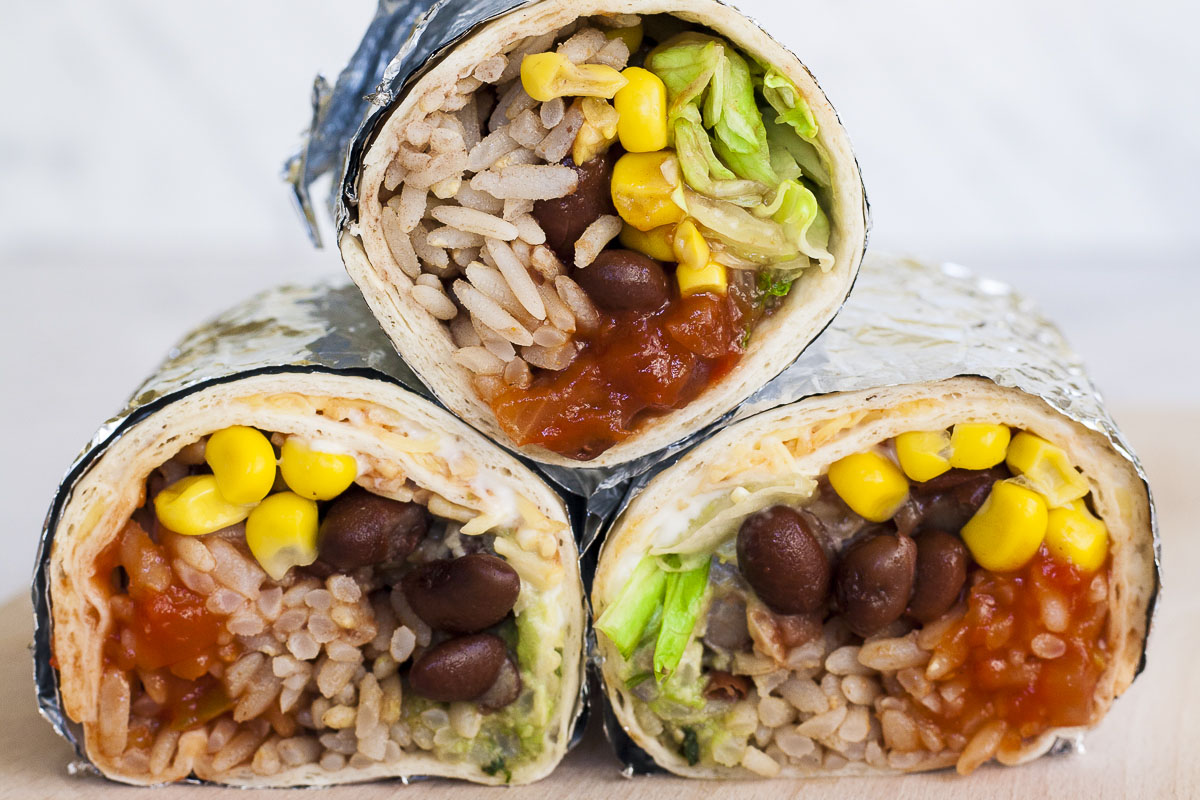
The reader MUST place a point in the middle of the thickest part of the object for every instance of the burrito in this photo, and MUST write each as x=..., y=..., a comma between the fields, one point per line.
x=300, y=577
x=891, y=580
x=592, y=228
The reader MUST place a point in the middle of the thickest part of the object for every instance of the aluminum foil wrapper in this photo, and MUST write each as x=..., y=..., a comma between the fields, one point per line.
x=909, y=321
x=301, y=329
x=436, y=30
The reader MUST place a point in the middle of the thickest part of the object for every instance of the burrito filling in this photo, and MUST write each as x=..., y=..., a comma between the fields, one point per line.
x=940, y=596
x=602, y=216
x=278, y=617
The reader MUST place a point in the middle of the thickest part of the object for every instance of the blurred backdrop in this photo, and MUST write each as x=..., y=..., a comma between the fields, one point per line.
x=1049, y=144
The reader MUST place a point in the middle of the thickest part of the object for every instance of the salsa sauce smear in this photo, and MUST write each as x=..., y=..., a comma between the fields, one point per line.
x=635, y=366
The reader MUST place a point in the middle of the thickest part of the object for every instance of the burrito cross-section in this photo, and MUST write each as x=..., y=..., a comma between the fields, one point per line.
x=898, y=579
x=307, y=578
x=594, y=227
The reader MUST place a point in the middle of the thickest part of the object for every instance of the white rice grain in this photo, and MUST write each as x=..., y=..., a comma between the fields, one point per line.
x=488, y=312
x=479, y=360
x=490, y=69
x=529, y=182
x=529, y=230
x=517, y=276
x=593, y=239
x=474, y=221
x=489, y=149
x=587, y=318
x=561, y=138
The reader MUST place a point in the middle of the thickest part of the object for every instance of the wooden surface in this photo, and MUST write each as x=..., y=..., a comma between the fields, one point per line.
x=1146, y=747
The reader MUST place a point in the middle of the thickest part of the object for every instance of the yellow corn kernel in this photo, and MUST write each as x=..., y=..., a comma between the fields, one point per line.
x=281, y=533
x=194, y=506
x=657, y=243
x=546, y=76
x=243, y=462
x=1008, y=528
x=708, y=278
x=1075, y=536
x=314, y=474
x=642, y=104
x=921, y=454
x=642, y=192
x=689, y=246
x=1046, y=469
x=632, y=36
x=978, y=445
x=870, y=484
x=598, y=132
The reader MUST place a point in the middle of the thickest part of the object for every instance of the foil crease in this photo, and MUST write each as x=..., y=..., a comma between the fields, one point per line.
x=909, y=321
x=300, y=329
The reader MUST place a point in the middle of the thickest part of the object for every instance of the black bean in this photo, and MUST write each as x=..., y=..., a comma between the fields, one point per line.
x=949, y=500
x=874, y=581
x=624, y=280
x=462, y=595
x=940, y=575
x=361, y=529
x=781, y=557
x=564, y=219
x=458, y=669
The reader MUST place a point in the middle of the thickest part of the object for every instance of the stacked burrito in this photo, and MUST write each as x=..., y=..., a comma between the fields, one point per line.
x=606, y=244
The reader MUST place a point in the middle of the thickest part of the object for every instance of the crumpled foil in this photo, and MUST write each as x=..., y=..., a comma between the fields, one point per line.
x=909, y=321
x=299, y=329
x=436, y=31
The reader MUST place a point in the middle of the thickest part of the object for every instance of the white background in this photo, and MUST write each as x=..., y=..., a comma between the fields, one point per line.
x=1049, y=144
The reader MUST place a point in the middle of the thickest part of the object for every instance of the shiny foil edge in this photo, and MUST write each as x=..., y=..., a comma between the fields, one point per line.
x=911, y=321
x=323, y=328
x=442, y=26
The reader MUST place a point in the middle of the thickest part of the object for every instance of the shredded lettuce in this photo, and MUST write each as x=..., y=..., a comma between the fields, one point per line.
x=791, y=106
x=742, y=163
x=720, y=520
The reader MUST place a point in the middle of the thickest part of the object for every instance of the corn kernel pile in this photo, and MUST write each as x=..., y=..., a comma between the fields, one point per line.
x=281, y=528
x=1041, y=504
x=647, y=175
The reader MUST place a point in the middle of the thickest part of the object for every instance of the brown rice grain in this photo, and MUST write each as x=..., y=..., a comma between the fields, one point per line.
x=774, y=712
x=299, y=750
x=239, y=748
x=402, y=644
x=199, y=582
x=262, y=689
x=266, y=759
x=322, y=628
x=823, y=725
x=899, y=731
x=332, y=762
x=893, y=654
x=760, y=763
x=234, y=570
x=983, y=746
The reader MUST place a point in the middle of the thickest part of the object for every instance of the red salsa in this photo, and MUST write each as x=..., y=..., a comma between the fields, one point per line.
x=634, y=366
x=1030, y=651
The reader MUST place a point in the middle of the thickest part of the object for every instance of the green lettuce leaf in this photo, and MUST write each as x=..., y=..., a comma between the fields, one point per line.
x=787, y=148
x=686, y=65
x=701, y=168
x=796, y=209
x=787, y=101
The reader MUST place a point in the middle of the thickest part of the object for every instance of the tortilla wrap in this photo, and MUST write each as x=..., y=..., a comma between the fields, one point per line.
x=804, y=438
x=425, y=343
x=396, y=433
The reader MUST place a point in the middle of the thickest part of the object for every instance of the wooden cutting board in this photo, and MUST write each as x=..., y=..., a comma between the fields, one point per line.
x=1147, y=747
